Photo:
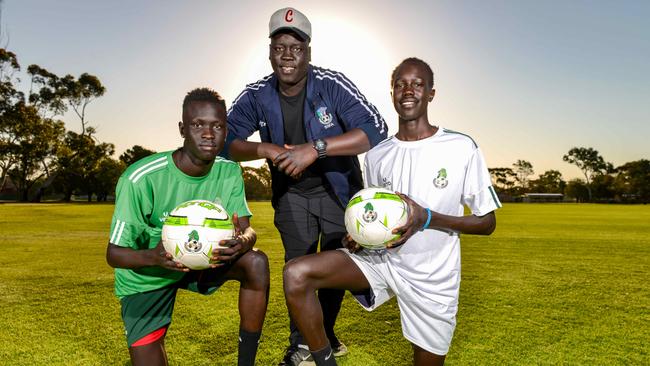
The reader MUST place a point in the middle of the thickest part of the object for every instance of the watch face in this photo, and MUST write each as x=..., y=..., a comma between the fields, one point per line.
x=320, y=145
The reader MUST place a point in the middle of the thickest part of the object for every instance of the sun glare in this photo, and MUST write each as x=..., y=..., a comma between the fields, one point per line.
x=360, y=53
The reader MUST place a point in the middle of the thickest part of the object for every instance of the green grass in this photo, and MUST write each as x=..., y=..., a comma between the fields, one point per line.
x=555, y=284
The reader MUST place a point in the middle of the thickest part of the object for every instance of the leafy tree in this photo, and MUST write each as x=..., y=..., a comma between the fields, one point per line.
x=577, y=189
x=79, y=162
x=257, y=182
x=548, y=182
x=49, y=92
x=21, y=118
x=108, y=173
x=36, y=141
x=9, y=66
x=633, y=180
x=503, y=178
x=603, y=187
x=523, y=170
x=589, y=161
x=81, y=92
x=134, y=154
x=9, y=117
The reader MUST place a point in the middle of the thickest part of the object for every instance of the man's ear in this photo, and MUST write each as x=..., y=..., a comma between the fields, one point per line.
x=432, y=93
x=180, y=128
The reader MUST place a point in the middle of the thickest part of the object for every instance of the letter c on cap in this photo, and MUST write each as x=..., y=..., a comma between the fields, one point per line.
x=289, y=16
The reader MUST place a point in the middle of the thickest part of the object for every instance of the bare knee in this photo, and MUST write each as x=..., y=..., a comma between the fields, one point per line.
x=295, y=277
x=256, y=268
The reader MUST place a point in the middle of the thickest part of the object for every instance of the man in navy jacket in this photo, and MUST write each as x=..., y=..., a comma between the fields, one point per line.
x=312, y=123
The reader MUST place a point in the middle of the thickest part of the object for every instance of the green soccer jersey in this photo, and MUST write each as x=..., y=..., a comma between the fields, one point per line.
x=145, y=195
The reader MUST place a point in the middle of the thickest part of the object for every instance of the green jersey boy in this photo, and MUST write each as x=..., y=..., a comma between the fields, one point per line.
x=146, y=277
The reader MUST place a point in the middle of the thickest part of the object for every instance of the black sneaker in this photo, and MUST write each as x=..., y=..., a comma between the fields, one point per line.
x=297, y=356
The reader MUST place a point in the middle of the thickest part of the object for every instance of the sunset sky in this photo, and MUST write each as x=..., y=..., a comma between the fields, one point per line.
x=526, y=79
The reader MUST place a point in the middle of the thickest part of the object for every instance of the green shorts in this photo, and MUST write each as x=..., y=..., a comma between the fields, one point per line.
x=146, y=312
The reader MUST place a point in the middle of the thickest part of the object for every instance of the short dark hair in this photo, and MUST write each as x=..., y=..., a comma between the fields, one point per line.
x=298, y=36
x=203, y=95
x=414, y=60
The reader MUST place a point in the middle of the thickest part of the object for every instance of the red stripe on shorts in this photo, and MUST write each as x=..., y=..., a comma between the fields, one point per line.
x=151, y=337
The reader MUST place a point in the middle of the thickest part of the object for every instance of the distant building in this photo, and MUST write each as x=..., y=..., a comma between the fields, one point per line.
x=8, y=191
x=543, y=197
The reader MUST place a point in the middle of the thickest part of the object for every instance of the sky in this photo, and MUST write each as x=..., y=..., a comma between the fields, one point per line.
x=526, y=79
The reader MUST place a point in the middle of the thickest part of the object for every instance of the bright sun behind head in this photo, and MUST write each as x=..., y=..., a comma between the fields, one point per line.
x=359, y=52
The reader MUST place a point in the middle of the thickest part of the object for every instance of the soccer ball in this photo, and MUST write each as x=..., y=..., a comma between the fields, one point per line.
x=193, y=229
x=371, y=216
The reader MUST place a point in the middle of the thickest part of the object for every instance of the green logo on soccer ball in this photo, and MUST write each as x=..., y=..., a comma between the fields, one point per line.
x=193, y=244
x=369, y=214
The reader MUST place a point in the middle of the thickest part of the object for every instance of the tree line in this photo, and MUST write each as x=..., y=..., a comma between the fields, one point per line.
x=39, y=156
x=602, y=181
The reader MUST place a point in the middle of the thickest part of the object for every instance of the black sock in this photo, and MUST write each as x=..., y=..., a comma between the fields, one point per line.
x=248, y=343
x=324, y=357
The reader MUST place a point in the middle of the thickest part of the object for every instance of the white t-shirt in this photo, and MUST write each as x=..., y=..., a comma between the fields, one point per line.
x=442, y=172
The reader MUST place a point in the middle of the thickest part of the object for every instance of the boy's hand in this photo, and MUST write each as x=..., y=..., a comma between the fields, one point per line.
x=417, y=216
x=350, y=244
x=243, y=240
x=163, y=258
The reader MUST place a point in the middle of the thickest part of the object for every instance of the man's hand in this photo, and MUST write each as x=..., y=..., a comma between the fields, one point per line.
x=350, y=244
x=243, y=240
x=270, y=151
x=417, y=216
x=295, y=159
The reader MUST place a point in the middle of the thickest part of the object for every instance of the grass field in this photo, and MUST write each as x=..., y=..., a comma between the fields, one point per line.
x=555, y=284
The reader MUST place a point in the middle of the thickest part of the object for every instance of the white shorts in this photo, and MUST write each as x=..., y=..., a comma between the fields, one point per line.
x=425, y=323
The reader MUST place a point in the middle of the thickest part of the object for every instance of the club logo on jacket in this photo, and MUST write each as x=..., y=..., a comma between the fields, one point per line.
x=324, y=118
x=262, y=124
x=441, y=180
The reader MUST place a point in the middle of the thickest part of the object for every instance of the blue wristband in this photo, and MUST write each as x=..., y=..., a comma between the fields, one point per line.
x=426, y=224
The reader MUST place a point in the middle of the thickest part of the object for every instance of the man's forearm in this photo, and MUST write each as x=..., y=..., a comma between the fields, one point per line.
x=353, y=142
x=241, y=150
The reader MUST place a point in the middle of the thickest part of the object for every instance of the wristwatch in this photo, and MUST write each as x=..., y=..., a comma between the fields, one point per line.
x=320, y=146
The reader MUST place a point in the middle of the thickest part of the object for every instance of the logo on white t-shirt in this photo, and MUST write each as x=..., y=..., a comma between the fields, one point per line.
x=441, y=180
x=386, y=183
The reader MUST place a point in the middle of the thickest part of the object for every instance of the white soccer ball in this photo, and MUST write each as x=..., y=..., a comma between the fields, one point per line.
x=193, y=229
x=371, y=216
